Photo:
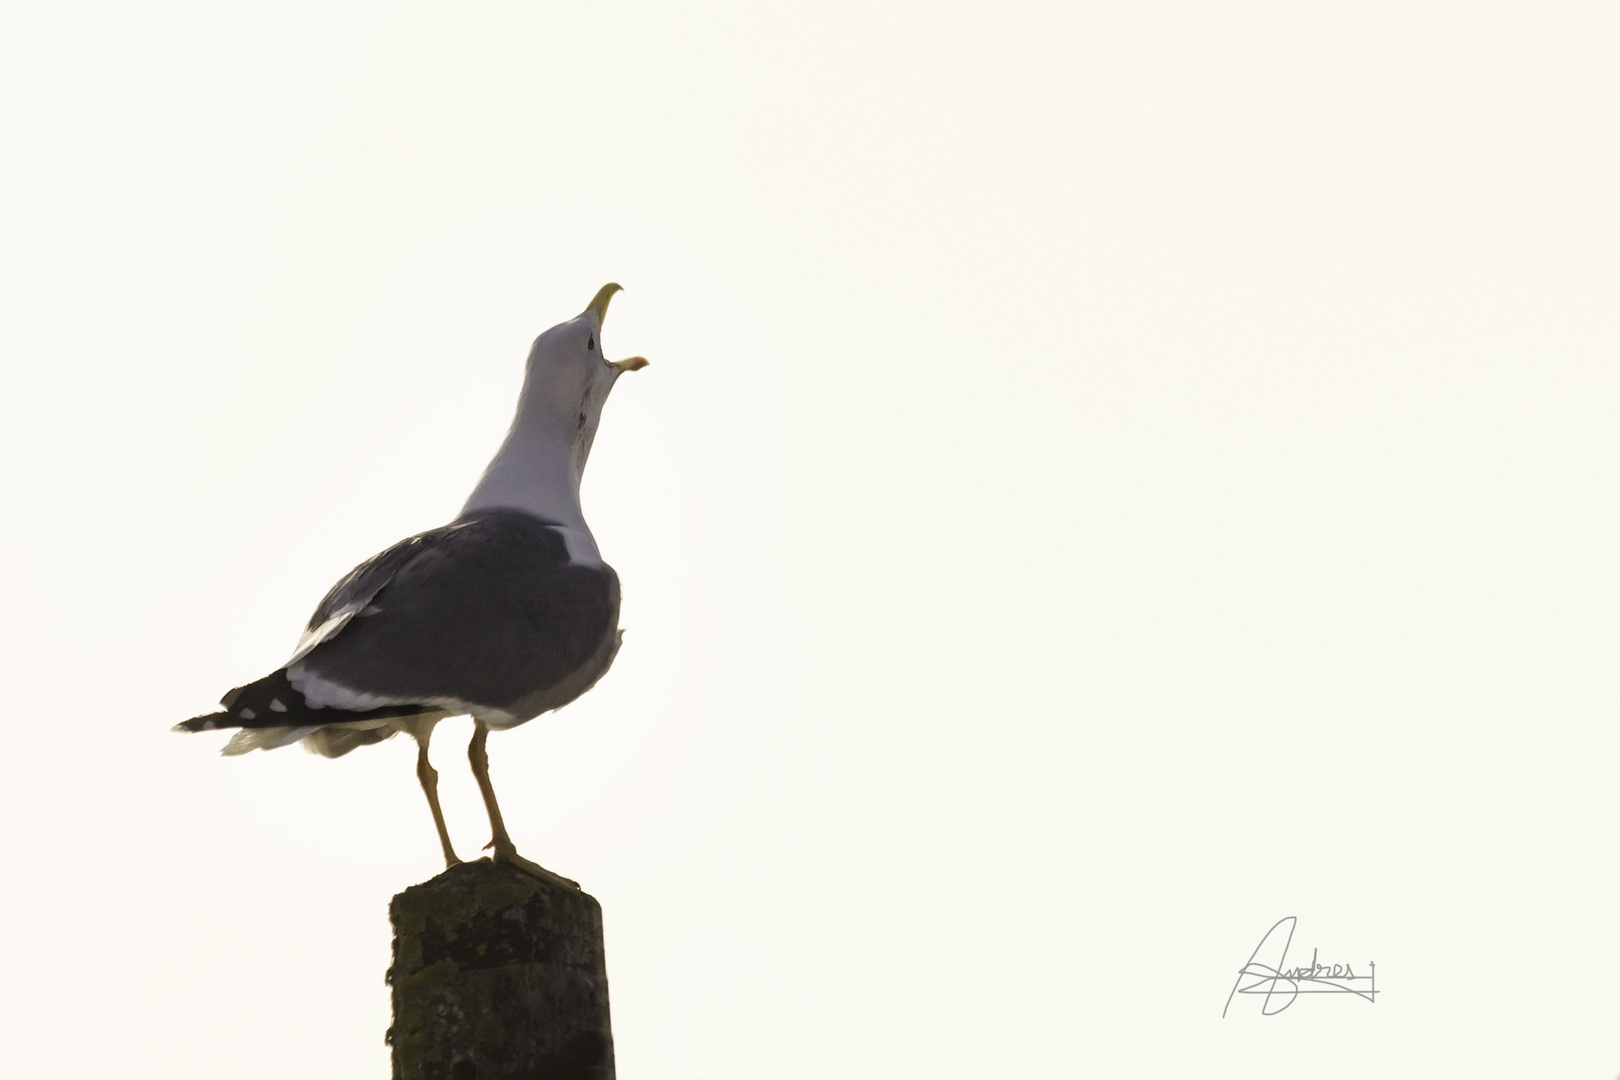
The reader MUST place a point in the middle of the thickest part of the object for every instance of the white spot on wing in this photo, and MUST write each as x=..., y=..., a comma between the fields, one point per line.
x=247, y=714
x=276, y=705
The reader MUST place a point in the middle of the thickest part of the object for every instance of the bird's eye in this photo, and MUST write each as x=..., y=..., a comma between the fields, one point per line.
x=590, y=342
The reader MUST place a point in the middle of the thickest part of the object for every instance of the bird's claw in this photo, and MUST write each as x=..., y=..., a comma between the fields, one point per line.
x=507, y=854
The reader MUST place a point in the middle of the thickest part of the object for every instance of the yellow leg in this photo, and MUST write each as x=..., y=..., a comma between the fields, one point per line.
x=429, y=776
x=500, y=844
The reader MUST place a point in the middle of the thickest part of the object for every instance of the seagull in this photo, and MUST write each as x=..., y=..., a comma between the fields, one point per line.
x=503, y=614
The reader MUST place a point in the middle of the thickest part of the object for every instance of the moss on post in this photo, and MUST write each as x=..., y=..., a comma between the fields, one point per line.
x=498, y=976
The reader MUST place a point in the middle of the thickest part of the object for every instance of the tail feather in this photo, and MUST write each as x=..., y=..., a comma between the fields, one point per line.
x=264, y=738
x=335, y=740
x=270, y=712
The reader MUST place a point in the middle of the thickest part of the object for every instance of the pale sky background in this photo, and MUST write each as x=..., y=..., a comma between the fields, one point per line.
x=1109, y=478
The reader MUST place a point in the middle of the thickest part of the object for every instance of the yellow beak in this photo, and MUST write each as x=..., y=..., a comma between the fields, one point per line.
x=599, y=304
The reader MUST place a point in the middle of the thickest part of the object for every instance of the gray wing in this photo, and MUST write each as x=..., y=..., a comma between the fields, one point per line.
x=487, y=613
x=354, y=592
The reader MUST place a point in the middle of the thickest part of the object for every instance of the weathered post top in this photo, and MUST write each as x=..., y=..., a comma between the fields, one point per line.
x=498, y=975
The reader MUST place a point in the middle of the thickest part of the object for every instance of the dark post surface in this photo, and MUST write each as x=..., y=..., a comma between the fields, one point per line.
x=498, y=976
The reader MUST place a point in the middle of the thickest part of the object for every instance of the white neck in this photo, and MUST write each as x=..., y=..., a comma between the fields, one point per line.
x=537, y=470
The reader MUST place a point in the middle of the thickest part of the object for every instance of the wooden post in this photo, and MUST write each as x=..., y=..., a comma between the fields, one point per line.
x=498, y=976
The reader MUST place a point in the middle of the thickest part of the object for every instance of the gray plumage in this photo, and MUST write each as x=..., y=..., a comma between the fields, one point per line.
x=505, y=613
x=487, y=615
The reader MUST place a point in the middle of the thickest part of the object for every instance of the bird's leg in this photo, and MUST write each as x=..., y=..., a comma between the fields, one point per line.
x=503, y=848
x=478, y=756
x=429, y=776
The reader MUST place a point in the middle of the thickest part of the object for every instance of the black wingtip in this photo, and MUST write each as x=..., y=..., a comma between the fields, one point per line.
x=201, y=723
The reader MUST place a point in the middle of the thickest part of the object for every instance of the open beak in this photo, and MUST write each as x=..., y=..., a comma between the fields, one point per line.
x=600, y=305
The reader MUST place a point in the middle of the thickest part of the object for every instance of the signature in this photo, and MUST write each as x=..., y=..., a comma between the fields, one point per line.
x=1279, y=986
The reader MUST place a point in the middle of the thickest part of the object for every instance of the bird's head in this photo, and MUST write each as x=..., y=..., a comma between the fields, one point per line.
x=568, y=358
x=569, y=377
